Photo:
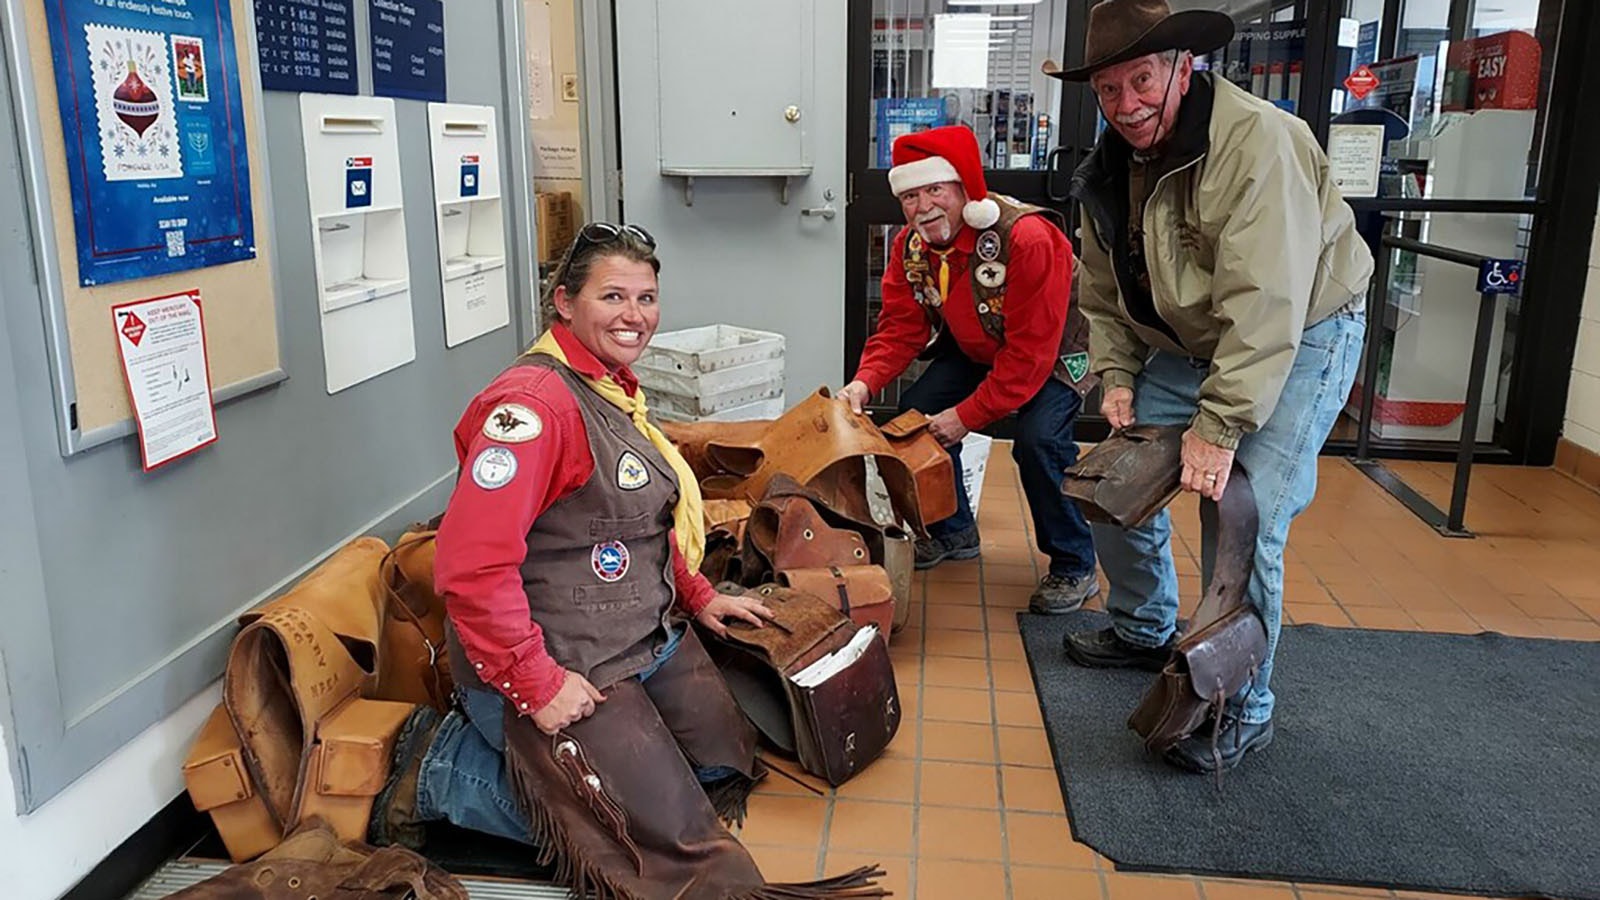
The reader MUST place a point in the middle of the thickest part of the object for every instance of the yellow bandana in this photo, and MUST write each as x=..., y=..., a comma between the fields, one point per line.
x=688, y=516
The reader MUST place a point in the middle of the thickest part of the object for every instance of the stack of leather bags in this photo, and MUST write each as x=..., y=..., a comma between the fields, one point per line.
x=317, y=685
x=787, y=503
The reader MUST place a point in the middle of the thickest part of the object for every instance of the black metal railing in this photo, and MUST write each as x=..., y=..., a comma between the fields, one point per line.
x=1453, y=522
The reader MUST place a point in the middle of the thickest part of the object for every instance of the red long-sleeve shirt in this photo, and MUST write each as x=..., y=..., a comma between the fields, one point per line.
x=483, y=538
x=1038, y=287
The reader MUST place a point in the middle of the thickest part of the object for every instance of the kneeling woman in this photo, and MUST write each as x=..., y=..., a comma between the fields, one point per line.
x=568, y=560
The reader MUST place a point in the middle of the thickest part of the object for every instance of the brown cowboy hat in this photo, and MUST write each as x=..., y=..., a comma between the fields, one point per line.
x=1120, y=30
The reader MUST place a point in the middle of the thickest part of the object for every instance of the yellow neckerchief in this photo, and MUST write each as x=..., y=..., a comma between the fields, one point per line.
x=688, y=516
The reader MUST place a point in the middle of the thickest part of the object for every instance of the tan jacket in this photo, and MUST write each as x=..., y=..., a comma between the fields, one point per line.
x=1248, y=243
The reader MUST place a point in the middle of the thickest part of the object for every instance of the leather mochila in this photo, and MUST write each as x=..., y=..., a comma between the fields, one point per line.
x=928, y=460
x=820, y=443
x=861, y=592
x=835, y=728
x=413, y=665
x=300, y=731
x=1226, y=643
x=1129, y=476
x=314, y=862
x=788, y=530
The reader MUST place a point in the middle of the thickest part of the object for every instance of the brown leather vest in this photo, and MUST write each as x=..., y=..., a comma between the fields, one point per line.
x=598, y=573
x=991, y=255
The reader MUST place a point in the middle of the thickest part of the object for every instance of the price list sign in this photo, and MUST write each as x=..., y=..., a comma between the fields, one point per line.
x=408, y=49
x=307, y=45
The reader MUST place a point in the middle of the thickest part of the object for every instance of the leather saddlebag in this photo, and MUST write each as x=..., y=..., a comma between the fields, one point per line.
x=929, y=462
x=313, y=862
x=1129, y=476
x=218, y=784
x=835, y=726
x=1227, y=642
x=862, y=592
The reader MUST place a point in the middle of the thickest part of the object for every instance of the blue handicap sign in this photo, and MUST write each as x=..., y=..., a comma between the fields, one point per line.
x=1500, y=276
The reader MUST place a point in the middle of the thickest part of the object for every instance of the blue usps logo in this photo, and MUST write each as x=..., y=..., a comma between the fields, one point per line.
x=610, y=560
x=469, y=180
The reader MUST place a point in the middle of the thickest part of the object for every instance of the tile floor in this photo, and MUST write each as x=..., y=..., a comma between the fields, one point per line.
x=965, y=803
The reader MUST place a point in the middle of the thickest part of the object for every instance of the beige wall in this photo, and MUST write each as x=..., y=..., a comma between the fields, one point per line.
x=1583, y=398
x=564, y=61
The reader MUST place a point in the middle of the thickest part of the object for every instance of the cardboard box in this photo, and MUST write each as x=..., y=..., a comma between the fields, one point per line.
x=557, y=224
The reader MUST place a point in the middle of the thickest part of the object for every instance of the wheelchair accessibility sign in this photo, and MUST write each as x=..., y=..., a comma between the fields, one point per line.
x=1500, y=276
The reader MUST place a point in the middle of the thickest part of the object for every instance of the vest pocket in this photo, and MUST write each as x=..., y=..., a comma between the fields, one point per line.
x=621, y=529
x=605, y=598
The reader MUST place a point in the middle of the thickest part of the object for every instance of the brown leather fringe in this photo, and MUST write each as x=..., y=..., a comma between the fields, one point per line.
x=730, y=797
x=585, y=880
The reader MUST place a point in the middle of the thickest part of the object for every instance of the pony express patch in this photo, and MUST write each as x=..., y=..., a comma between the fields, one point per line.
x=631, y=472
x=512, y=423
x=610, y=560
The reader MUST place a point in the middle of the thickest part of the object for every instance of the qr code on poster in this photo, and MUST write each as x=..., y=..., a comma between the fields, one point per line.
x=175, y=244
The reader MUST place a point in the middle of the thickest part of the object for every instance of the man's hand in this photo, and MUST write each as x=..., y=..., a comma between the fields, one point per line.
x=1116, y=405
x=855, y=393
x=1205, y=466
x=724, y=606
x=576, y=700
x=947, y=427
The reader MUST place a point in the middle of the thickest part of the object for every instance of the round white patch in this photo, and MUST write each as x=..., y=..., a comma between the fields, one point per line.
x=494, y=468
x=988, y=246
x=991, y=274
x=512, y=423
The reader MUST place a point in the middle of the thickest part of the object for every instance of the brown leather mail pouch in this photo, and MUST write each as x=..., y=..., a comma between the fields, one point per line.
x=862, y=592
x=218, y=784
x=347, y=764
x=836, y=726
x=1129, y=476
x=928, y=461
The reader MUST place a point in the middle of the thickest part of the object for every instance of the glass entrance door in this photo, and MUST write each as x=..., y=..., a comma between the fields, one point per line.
x=918, y=64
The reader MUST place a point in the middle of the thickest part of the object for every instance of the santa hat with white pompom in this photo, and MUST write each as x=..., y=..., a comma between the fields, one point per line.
x=942, y=154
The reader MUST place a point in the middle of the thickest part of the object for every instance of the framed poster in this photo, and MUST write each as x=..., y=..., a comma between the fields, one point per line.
x=154, y=136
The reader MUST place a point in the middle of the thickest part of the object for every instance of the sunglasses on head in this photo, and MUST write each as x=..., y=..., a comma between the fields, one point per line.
x=596, y=234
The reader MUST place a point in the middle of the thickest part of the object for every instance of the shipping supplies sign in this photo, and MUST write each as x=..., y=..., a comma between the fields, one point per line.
x=408, y=49
x=307, y=45
x=153, y=129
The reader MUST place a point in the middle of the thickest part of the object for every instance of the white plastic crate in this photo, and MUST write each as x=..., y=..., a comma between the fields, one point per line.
x=710, y=404
x=762, y=409
x=696, y=384
x=710, y=348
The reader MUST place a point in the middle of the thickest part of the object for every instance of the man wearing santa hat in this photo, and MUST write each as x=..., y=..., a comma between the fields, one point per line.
x=987, y=281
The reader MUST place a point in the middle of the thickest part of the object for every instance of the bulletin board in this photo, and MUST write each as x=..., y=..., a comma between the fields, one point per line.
x=242, y=320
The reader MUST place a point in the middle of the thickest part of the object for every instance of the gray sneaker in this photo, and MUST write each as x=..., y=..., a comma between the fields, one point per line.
x=1058, y=594
x=962, y=545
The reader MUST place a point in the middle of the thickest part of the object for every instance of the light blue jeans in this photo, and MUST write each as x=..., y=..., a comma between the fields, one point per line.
x=1281, y=459
x=464, y=779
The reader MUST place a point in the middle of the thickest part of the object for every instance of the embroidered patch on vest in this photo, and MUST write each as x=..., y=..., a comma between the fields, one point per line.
x=631, y=472
x=989, y=246
x=610, y=560
x=1077, y=365
x=494, y=468
x=512, y=423
x=991, y=274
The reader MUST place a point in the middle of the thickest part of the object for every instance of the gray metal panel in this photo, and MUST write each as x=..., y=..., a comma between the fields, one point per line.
x=122, y=586
x=723, y=111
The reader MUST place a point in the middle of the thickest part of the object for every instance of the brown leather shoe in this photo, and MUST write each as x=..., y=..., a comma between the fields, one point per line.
x=394, y=811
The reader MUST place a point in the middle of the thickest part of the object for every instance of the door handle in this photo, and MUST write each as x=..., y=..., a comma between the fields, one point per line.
x=827, y=212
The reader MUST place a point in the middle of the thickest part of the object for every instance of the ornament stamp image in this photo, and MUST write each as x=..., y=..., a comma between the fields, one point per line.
x=134, y=104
